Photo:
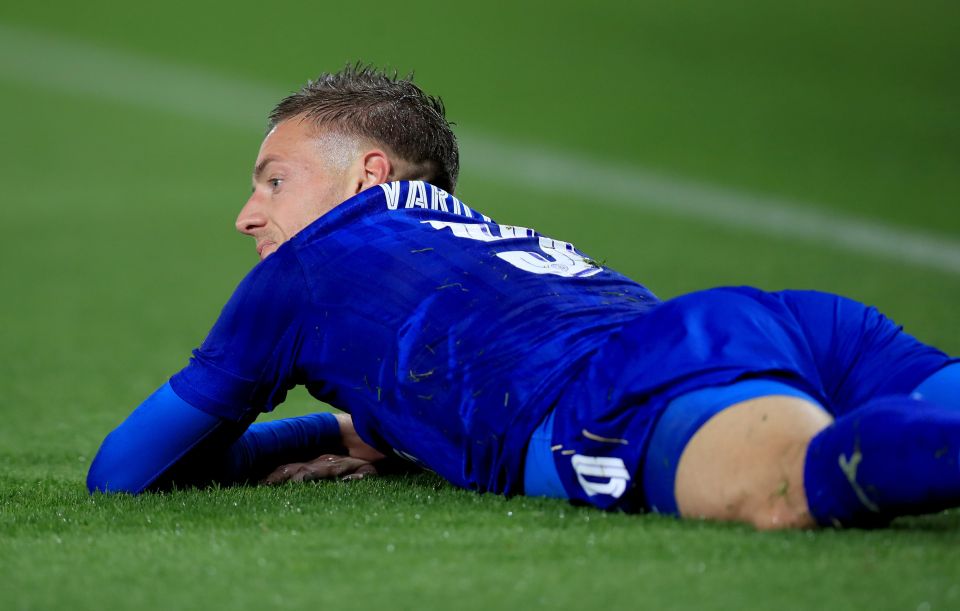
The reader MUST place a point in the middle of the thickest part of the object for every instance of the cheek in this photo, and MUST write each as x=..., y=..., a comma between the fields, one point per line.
x=304, y=210
x=328, y=195
x=301, y=207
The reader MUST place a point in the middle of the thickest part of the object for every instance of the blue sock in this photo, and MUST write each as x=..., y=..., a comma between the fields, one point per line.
x=894, y=456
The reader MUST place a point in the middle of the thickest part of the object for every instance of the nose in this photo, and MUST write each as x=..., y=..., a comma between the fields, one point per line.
x=250, y=218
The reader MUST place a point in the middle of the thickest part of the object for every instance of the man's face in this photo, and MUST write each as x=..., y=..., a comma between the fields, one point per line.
x=299, y=176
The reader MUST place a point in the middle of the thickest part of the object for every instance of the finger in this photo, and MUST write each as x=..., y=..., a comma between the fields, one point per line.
x=303, y=474
x=367, y=469
x=360, y=471
x=333, y=465
x=282, y=474
x=328, y=466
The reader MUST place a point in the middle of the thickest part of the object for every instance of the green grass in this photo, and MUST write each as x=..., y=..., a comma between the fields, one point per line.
x=414, y=542
x=118, y=251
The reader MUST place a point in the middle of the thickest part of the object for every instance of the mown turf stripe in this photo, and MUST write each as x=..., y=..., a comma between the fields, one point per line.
x=59, y=66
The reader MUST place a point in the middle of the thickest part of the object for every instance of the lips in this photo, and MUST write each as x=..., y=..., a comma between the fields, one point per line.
x=263, y=246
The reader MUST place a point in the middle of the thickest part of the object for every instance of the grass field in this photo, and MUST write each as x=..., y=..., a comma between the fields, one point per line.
x=129, y=138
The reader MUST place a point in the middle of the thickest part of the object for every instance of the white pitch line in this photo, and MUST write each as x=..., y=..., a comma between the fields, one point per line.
x=633, y=187
x=73, y=67
x=65, y=66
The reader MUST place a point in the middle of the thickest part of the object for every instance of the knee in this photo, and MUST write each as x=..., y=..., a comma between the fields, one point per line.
x=779, y=516
x=774, y=491
x=766, y=491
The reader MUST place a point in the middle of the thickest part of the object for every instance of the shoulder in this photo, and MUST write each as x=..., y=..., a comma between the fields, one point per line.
x=279, y=271
x=275, y=287
x=252, y=345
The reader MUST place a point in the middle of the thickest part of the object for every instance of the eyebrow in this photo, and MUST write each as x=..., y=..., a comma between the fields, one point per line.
x=257, y=171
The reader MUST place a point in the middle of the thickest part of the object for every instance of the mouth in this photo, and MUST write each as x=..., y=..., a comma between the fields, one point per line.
x=265, y=248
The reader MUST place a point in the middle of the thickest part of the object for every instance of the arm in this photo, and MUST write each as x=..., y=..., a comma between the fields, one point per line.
x=153, y=439
x=188, y=431
x=292, y=441
x=166, y=441
x=355, y=446
x=358, y=463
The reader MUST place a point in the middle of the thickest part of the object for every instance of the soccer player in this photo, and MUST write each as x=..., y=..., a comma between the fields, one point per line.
x=509, y=362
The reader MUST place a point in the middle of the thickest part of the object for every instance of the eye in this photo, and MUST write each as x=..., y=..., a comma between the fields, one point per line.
x=275, y=183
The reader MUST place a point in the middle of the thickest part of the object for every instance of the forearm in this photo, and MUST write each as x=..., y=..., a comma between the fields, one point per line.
x=166, y=442
x=153, y=440
x=266, y=445
x=355, y=446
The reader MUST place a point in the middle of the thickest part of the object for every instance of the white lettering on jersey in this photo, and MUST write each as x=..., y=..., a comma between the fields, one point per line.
x=470, y=231
x=611, y=471
x=416, y=195
x=557, y=258
x=438, y=199
x=511, y=231
x=563, y=261
x=392, y=192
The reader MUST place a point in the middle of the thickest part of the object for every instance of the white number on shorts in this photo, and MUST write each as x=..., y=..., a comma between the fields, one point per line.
x=612, y=472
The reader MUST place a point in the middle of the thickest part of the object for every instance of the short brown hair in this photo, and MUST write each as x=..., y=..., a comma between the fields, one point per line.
x=364, y=101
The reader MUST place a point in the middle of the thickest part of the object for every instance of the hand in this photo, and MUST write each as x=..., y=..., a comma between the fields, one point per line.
x=328, y=466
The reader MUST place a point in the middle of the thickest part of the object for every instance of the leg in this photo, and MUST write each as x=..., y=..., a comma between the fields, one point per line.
x=757, y=458
x=895, y=456
x=746, y=464
x=779, y=462
x=861, y=355
x=942, y=388
x=734, y=452
x=887, y=454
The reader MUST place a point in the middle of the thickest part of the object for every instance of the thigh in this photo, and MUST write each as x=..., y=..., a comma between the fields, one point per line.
x=682, y=419
x=859, y=353
x=746, y=463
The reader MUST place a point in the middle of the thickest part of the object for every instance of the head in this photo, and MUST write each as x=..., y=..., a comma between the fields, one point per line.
x=340, y=134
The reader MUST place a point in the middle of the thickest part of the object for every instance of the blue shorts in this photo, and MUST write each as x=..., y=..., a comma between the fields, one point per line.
x=681, y=420
x=630, y=413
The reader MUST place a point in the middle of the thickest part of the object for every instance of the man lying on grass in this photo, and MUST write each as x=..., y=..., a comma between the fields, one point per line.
x=509, y=362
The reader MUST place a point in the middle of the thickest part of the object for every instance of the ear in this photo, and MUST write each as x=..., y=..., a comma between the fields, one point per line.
x=376, y=169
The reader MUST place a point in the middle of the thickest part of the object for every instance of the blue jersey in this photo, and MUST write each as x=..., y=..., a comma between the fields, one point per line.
x=446, y=336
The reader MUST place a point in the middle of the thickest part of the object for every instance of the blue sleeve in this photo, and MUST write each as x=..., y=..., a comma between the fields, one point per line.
x=247, y=363
x=267, y=445
x=152, y=439
x=166, y=441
